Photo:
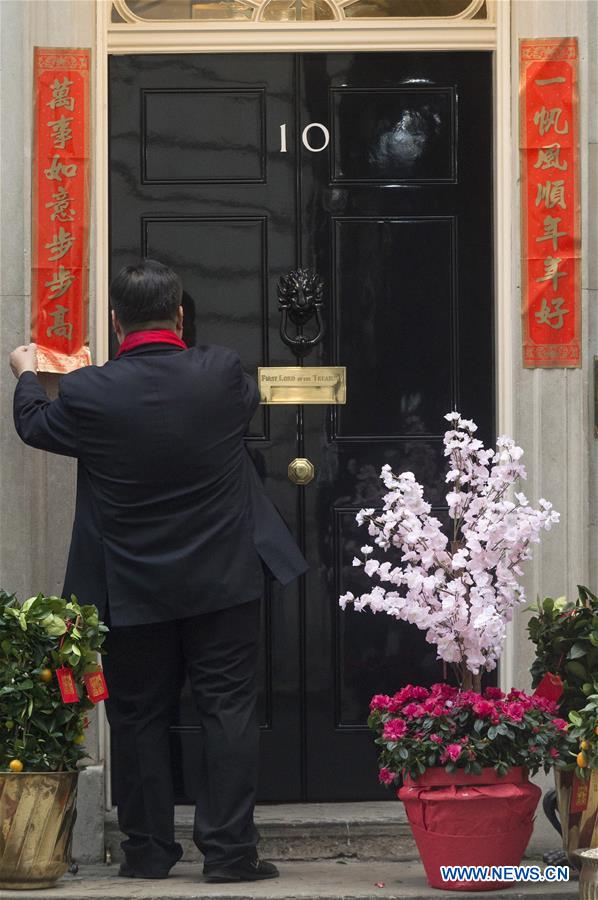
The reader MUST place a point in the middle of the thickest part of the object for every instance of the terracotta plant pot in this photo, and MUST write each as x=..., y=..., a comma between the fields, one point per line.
x=470, y=820
x=37, y=814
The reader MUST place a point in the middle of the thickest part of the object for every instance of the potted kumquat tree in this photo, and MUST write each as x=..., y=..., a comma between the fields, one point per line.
x=49, y=680
x=565, y=633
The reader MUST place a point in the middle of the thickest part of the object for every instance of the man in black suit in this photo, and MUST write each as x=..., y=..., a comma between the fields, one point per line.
x=171, y=529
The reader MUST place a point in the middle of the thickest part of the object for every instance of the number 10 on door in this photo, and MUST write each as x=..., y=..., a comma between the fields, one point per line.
x=306, y=137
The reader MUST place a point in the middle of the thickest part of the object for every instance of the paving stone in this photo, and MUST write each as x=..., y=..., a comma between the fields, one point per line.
x=340, y=879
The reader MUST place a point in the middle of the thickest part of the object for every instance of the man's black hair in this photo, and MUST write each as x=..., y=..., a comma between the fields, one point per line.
x=146, y=292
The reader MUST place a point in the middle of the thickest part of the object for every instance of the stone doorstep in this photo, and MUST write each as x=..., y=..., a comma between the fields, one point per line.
x=339, y=879
x=307, y=831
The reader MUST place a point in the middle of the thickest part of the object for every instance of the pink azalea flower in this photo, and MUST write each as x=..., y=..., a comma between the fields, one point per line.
x=385, y=776
x=413, y=710
x=452, y=752
x=436, y=739
x=379, y=701
x=493, y=693
x=483, y=708
x=554, y=753
x=411, y=692
x=467, y=698
x=395, y=730
x=515, y=711
x=560, y=724
x=543, y=703
x=444, y=691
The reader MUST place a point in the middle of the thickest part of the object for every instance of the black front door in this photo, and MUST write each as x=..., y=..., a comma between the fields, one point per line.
x=376, y=171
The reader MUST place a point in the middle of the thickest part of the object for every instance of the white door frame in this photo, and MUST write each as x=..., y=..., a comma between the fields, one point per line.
x=346, y=35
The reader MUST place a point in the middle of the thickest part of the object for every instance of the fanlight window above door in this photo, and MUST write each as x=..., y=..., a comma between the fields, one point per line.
x=154, y=11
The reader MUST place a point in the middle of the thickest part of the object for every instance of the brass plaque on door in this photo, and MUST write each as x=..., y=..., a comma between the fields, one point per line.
x=302, y=384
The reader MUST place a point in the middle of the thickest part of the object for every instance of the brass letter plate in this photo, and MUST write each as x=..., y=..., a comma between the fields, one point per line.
x=302, y=384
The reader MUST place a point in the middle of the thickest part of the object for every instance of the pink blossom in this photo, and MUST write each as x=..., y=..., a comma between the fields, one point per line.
x=462, y=598
x=436, y=739
x=560, y=724
x=433, y=707
x=379, y=701
x=467, y=698
x=493, y=693
x=518, y=695
x=483, y=708
x=394, y=730
x=543, y=703
x=443, y=691
x=411, y=692
x=514, y=711
x=452, y=752
x=554, y=753
x=413, y=710
x=386, y=776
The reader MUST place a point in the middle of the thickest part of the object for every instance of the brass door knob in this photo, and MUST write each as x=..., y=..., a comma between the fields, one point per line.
x=301, y=470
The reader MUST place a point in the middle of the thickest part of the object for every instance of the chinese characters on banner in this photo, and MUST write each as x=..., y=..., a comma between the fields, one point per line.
x=551, y=238
x=61, y=196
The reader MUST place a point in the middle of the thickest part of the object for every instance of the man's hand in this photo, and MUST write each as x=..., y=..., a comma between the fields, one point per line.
x=23, y=359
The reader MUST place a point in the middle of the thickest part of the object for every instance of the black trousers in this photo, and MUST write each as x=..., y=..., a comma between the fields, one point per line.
x=144, y=666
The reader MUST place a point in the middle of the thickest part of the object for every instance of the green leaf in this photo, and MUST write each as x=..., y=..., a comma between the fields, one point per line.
x=576, y=669
x=576, y=651
x=29, y=603
x=586, y=594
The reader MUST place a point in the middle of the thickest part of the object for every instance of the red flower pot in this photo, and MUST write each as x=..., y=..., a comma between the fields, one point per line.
x=470, y=820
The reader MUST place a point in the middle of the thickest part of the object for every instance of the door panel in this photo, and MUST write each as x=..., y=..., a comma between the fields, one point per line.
x=399, y=308
x=194, y=184
x=219, y=136
x=392, y=206
x=388, y=134
x=397, y=220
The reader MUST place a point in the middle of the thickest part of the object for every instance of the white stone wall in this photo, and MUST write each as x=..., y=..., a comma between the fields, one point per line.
x=553, y=409
x=36, y=489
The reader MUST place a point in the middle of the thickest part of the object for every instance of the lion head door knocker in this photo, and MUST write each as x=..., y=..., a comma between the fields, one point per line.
x=300, y=300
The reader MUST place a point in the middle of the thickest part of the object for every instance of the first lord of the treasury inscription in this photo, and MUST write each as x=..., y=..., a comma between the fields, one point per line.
x=302, y=384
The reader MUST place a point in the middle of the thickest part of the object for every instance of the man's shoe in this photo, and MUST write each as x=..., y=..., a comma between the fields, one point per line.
x=244, y=870
x=127, y=871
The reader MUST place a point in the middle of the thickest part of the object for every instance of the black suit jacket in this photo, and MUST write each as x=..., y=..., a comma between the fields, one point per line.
x=171, y=517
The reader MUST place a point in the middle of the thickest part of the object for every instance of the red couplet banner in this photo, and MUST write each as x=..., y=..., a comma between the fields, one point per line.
x=550, y=204
x=60, y=209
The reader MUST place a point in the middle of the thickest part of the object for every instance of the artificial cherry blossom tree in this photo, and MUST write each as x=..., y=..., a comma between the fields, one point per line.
x=461, y=592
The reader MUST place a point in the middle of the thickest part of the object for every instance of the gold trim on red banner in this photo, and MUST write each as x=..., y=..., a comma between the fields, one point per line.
x=550, y=203
x=61, y=208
